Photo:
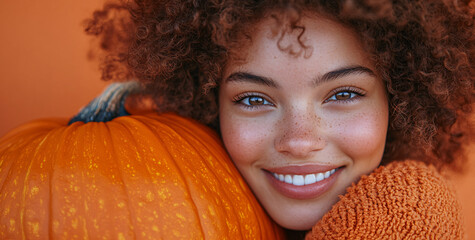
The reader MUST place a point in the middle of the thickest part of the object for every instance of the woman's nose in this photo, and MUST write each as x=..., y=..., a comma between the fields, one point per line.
x=300, y=134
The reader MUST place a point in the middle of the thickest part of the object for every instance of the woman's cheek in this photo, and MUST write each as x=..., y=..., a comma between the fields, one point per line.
x=362, y=136
x=244, y=139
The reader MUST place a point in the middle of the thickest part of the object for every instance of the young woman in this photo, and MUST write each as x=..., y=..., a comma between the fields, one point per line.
x=309, y=96
x=288, y=121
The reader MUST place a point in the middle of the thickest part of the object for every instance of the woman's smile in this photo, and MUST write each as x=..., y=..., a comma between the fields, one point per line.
x=301, y=182
x=301, y=129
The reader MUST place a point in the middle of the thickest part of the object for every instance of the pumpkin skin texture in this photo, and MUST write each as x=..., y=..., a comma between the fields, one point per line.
x=135, y=177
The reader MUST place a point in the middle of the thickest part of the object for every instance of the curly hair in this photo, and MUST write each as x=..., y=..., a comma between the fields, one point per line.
x=424, y=52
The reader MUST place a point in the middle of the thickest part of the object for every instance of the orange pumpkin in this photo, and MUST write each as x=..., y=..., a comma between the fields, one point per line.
x=135, y=177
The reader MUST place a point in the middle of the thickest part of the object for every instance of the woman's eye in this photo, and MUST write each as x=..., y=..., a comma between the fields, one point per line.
x=252, y=101
x=345, y=95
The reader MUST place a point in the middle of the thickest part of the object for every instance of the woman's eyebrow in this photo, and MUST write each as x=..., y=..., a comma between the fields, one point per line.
x=249, y=77
x=332, y=75
x=342, y=72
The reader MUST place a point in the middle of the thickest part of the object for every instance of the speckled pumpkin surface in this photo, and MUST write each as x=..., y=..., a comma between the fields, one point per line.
x=135, y=177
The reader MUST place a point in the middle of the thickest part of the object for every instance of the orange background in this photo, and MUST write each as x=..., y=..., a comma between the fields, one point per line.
x=44, y=70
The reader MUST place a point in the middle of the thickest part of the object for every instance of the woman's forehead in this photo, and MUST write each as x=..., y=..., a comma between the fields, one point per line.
x=310, y=36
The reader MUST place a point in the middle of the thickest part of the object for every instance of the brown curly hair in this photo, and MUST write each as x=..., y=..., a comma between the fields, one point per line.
x=424, y=51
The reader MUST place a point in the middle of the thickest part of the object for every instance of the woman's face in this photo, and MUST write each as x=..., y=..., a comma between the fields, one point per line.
x=301, y=129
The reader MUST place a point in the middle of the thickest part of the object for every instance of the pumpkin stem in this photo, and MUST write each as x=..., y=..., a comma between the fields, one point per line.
x=109, y=105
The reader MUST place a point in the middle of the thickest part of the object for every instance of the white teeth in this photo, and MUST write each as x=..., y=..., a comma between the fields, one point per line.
x=288, y=179
x=310, y=178
x=300, y=180
x=320, y=177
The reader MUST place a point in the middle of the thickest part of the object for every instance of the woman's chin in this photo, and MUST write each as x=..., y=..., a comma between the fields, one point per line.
x=299, y=219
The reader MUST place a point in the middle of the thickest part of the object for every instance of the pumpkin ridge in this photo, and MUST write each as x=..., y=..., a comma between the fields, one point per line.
x=92, y=136
x=45, y=141
x=56, y=175
x=64, y=133
x=133, y=120
x=4, y=168
x=82, y=165
x=180, y=129
x=164, y=124
x=142, y=124
x=119, y=169
x=151, y=126
x=152, y=131
x=25, y=185
x=8, y=174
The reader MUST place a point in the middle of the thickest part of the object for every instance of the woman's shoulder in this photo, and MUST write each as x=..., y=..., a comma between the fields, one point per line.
x=404, y=199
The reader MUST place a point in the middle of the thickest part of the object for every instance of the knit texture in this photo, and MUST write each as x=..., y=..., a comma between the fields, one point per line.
x=403, y=200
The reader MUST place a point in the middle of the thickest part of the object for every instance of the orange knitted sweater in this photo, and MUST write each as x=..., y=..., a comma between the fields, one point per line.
x=403, y=200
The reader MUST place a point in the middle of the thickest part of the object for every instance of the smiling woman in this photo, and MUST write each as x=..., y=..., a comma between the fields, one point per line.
x=301, y=129
x=342, y=116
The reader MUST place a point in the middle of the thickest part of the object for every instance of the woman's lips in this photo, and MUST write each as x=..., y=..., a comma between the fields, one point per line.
x=303, y=182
